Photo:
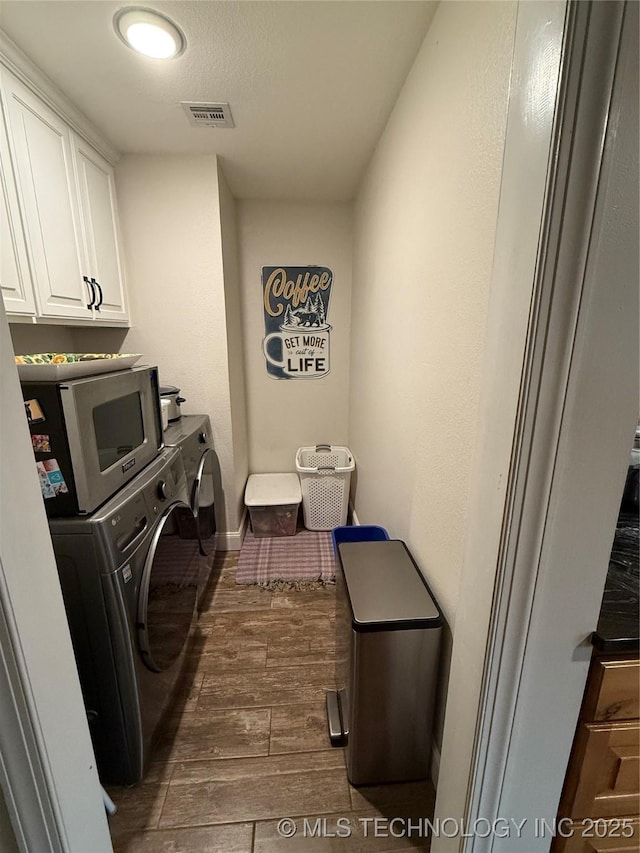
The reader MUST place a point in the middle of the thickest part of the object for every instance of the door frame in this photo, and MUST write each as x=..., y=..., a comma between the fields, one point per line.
x=47, y=767
x=540, y=530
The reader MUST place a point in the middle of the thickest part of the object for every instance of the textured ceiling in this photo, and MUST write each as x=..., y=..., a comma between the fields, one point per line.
x=310, y=84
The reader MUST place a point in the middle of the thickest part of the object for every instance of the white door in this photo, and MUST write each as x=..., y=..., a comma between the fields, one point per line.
x=15, y=276
x=41, y=145
x=99, y=218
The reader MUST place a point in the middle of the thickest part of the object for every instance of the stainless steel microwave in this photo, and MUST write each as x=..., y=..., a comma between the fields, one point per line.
x=90, y=436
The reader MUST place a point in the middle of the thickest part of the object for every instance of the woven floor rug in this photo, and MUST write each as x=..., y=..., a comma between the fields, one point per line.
x=304, y=558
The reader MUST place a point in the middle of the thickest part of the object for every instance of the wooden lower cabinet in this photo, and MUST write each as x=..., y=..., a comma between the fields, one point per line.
x=601, y=795
x=605, y=780
x=610, y=836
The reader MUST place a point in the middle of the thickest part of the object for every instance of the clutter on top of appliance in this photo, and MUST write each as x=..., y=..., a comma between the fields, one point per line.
x=172, y=394
x=71, y=365
x=164, y=412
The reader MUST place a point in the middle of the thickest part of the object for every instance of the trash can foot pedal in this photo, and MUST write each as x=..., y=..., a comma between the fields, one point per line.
x=333, y=718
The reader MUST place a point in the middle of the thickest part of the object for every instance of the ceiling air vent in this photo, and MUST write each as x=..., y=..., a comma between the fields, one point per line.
x=208, y=115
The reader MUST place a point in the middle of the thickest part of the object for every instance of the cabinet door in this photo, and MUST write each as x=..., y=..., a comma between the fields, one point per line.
x=607, y=779
x=15, y=275
x=613, y=690
x=99, y=219
x=596, y=835
x=41, y=145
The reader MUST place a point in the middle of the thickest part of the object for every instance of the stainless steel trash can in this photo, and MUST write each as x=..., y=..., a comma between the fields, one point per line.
x=388, y=629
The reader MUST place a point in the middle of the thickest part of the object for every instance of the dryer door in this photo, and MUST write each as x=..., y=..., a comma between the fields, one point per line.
x=202, y=502
x=168, y=592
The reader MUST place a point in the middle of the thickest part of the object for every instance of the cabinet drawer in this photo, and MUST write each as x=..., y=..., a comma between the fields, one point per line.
x=607, y=779
x=582, y=837
x=614, y=691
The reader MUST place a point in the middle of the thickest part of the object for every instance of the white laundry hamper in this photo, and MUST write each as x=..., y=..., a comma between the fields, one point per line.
x=325, y=477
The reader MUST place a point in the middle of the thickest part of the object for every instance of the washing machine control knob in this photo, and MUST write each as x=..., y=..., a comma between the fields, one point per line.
x=202, y=437
x=162, y=490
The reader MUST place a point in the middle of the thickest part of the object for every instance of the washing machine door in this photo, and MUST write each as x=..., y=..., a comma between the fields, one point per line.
x=168, y=592
x=202, y=502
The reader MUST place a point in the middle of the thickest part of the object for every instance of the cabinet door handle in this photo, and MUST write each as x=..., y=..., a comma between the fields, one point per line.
x=95, y=283
x=92, y=291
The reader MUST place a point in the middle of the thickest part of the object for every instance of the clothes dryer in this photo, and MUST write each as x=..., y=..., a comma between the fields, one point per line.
x=129, y=583
x=193, y=435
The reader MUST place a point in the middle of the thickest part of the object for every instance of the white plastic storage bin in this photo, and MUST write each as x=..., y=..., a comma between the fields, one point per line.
x=273, y=501
x=325, y=477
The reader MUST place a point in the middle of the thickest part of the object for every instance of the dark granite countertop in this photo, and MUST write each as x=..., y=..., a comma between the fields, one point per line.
x=619, y=622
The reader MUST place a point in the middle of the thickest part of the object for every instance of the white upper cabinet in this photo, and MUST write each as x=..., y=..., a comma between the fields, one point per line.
x=44, y=171
x=100, y=222
x=15, y=275
x=66, y=193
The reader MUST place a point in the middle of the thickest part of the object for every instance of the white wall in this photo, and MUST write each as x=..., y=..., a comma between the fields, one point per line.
x=284, y=414
x=233, y=313
x=424, y=229
x=170, y=219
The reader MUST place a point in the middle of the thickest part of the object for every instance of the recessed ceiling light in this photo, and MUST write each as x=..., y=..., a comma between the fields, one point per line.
x=148, y=32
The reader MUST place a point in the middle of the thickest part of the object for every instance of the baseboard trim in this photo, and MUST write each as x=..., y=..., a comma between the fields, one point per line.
x=435, y=764
x=354, y=518
x=231, y=540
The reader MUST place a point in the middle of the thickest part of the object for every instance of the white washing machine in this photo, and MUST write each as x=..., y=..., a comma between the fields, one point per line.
x=193, y=435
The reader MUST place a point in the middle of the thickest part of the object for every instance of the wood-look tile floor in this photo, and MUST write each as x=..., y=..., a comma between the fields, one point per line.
x=250, y=744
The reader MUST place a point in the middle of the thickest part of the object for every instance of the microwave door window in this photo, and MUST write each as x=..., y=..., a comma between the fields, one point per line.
x=118, y=428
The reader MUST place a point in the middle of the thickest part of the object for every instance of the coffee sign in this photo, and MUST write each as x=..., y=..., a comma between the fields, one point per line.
x=297, y=334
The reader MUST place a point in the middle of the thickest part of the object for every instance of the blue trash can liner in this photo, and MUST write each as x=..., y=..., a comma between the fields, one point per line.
x=357, y=533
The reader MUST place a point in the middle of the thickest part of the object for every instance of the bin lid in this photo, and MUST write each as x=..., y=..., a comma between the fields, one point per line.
x=386, y=589
x=272, y=490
